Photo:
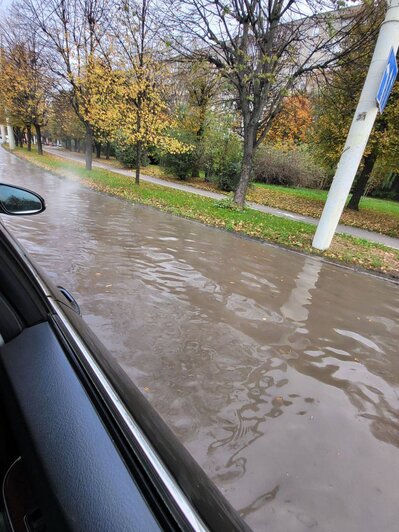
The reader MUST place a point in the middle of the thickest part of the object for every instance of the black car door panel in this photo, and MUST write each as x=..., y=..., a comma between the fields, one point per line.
x=82, y=479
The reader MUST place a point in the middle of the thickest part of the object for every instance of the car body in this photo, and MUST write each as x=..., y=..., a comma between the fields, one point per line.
x=80, y=447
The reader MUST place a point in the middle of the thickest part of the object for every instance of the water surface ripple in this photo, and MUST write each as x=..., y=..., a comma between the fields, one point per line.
x=280, y=373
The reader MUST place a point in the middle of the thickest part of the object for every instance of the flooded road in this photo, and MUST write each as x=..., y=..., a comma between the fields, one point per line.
x=279, y=372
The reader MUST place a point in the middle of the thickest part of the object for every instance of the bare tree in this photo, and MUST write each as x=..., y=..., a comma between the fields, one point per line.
x=73, y=33
x=264, y=49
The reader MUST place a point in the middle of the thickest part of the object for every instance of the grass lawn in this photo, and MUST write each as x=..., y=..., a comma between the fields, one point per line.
x=374, y=214
x=288, y=233
x=381, y=216
x=374, y=204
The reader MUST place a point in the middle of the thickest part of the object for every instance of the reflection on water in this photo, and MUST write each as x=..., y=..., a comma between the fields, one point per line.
x=296, y=306
x=280, y=373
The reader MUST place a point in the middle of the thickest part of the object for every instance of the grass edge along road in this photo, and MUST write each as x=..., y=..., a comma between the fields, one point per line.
x=378, y=215
x=287, y=233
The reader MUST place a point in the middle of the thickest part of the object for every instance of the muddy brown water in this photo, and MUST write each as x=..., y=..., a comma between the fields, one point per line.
x=279, y=372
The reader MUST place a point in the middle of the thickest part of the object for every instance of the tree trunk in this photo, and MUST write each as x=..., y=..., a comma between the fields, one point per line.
x=39, y=139
x=98, y=150
x=18, y=136
x=199, y=134
x=246, y=169
x=107, y=150
x=361, y=181
x=195, y=172
x=139, y=143
x=29, y=137
x=395, y=187
x=89, y=148
x=138, y=163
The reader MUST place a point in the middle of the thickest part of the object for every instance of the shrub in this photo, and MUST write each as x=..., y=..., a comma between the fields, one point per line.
x=154, y=155
x=227, y=203
x=227, y=176
x=293, y=167
x=385, y=187
x=180, y=165
x=217, y=153
x=222, y=157
x=126, y=154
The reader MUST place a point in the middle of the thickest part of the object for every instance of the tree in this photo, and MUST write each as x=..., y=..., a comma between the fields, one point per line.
x=127, y=106
x=25, y=84
x=194, y=91
x=334, y=109
x=202, y=86
x=73, y=33
x=383, y=150
x=292, y=124
x=136, y=34
x=63, y=122
x=129, y=102
x=263, y=49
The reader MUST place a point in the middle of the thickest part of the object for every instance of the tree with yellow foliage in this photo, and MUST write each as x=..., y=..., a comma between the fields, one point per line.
x=24, y=86
x=129, y=108
x=73, y=33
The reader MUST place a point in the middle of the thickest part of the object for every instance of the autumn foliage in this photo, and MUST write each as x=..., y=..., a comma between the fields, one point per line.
x=24, y=88
x=291, y=125
x=127, y=106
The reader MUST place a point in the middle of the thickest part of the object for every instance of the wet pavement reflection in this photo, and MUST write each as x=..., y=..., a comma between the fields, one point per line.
x=279, y=372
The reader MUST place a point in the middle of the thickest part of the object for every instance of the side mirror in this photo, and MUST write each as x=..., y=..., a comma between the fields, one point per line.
x=19, y=201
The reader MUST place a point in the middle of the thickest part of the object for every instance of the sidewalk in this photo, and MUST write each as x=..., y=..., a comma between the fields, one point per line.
x=344, y=229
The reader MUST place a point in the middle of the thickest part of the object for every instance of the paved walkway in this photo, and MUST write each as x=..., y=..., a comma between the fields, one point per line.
x=344, y=229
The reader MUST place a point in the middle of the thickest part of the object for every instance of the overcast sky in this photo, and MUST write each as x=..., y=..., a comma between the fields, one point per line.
x=4, y=4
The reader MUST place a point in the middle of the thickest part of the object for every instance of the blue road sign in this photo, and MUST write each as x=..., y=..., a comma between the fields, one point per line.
x=387, y=81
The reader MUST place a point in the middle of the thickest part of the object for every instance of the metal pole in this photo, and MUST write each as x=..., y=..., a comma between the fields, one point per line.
x=362, y=124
